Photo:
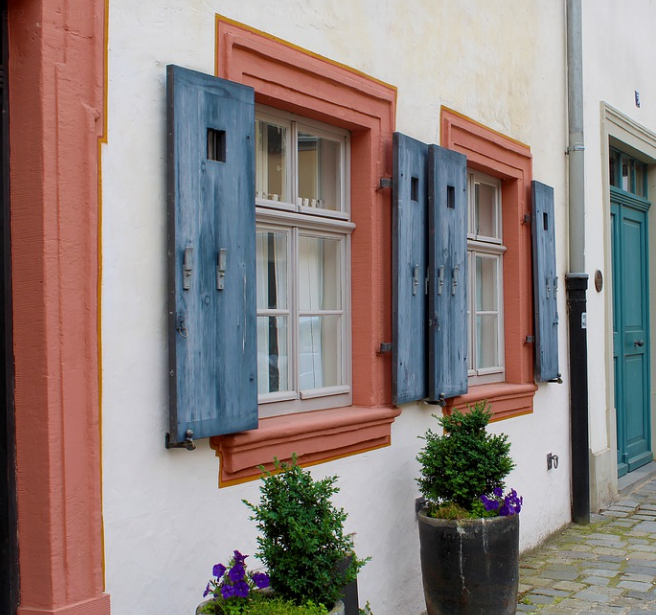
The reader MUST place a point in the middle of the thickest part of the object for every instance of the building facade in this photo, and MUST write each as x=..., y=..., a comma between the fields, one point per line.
x=223, y=251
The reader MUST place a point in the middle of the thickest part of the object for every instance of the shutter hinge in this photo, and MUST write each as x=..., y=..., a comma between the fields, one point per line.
x=527, y=219
x=180, y=324
x=188, y=442
x=385, y=183
x=440, y=401
x=556, y=380
x=529, y=339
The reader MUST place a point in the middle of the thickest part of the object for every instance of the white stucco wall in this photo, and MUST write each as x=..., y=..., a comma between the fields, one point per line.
x=166, y=522
x=618, y=55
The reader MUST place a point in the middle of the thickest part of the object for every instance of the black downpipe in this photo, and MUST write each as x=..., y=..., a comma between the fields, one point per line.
x=577, y=286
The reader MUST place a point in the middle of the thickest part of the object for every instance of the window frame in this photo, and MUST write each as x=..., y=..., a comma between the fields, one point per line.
x=294, y=80
x=300, y=220
x=497, y=155
x=489, y=247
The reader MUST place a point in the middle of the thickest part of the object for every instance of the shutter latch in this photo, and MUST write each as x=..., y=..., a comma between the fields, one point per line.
x=415, y=279
x=221, y=268
x=180, y=324
x=187, y=268
x=187, y=443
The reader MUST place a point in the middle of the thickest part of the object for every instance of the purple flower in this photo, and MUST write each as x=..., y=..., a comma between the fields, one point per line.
x=498, y=492
x=219, y=570
x=238, y=557
x=207, y=590
x=241, y=589
x=489, y=504
x=261, y=579
x=236, y=573
x=227, y=591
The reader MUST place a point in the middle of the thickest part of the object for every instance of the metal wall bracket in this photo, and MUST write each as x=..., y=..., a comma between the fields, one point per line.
x=385, y=347
x=385, y=183
x=188, y=443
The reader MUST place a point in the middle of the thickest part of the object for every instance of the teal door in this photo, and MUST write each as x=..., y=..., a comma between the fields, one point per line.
x=631, y=329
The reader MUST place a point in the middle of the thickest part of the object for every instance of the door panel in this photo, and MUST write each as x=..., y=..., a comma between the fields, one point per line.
x=631, y=332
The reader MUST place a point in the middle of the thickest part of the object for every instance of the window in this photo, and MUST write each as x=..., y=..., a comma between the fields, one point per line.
x=485, y=266
x=627, y=173
x=302, y=247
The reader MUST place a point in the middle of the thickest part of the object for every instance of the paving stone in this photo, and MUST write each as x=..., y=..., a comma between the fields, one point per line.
x=637, y=586
x=595, y=581
x=569, y=586
x=560, y=575
x=600, y=572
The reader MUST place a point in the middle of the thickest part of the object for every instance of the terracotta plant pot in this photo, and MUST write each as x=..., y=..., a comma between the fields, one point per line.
x=470, y=566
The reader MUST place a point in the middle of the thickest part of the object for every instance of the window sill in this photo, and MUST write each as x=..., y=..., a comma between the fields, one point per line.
x=314, y=436
x=506, y=400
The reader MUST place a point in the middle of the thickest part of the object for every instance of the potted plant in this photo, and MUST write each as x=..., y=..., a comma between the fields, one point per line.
x=236, y=591
x=468, y=528
x=302, y=540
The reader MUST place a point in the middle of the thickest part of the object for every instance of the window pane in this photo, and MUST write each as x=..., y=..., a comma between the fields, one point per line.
x=486, y=210
x=319, y=274
x=319, y=172
x=487, y=340
x=272, y=354
x=271, y=161
x=320, y=351
x=612, y=169
x=640, y=179
x=487, y=284
x=271, y=263
x=626, y=174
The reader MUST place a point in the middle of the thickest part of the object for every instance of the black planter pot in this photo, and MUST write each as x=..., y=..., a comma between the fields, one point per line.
x=470, y=567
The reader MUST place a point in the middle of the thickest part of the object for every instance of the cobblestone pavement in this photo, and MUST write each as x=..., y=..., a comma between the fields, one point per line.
x=605, y=568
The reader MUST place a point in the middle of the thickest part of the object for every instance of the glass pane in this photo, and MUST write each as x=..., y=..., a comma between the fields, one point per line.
x=640, y=179
x=487, y=283
x=271, y=161
x=486, y=210
x=319, y=283
x=319, y=172
x=487, y=340
x=271, y=264
x=320, y=351
x=626, y=174
x=612, y=169
x=272, y=354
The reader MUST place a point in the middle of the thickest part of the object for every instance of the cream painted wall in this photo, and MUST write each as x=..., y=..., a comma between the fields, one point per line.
x=166, y=522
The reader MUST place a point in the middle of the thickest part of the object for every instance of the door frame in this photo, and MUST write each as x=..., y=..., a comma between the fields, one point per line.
x=621, y=132
x=627, y=203
x=9, y=578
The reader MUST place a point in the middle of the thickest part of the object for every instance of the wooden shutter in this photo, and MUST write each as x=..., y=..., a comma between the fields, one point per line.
x=545, y=283
x=409, y=262
x=211, y=256
x=447, y=265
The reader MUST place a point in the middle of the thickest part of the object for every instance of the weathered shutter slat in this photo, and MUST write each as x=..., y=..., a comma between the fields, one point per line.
x=545, y=283
x=211, y=244
x=409, y=262
x=447, y=263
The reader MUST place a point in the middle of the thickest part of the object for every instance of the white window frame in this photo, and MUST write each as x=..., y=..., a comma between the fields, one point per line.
x=296, y=218
x=490, y=246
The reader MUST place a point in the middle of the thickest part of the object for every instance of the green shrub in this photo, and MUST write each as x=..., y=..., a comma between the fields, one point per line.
x=463, y=463
x=302, y=540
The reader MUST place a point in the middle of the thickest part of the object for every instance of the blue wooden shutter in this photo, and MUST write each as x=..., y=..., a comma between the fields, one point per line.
x=545, y=283
x=409, y=262
x=447, y=265
x=211, y=256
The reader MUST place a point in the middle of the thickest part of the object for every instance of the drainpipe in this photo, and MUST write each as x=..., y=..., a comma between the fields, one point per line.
x=576, y=278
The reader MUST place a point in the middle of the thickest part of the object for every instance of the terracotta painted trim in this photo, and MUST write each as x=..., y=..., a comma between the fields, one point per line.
x=56, y=89
x=289, y=78
x=511, y=161
x=313, y=436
